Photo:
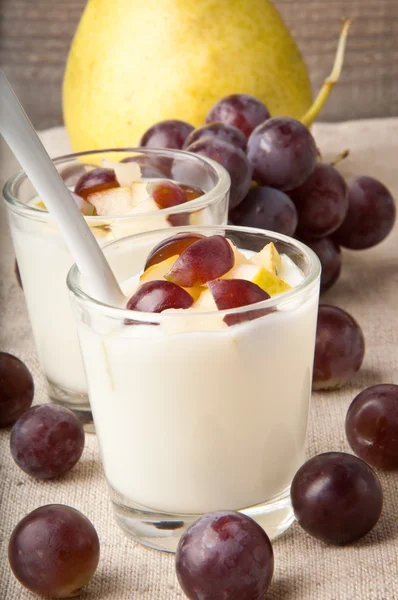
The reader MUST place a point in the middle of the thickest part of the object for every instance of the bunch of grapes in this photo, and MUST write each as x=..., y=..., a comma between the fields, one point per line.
x=278, y=182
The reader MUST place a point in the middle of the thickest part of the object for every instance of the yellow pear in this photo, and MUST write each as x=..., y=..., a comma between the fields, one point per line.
x=133, y=63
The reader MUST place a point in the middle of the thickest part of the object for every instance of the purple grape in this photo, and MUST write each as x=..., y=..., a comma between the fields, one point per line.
x=282, y=153
x=16, y=389
x=225, y=556
x=222, y=131
x=240, y=110
x=266, y=208
x=372, y=426
x=47, y=441
x=54, y=551
x=166, y=134
x=370, y=217
x=321, y=202
x=233, y=159
x=336, y=497
x=339, y=348
x=94, y=181
x=329, y=254
x=157, y=296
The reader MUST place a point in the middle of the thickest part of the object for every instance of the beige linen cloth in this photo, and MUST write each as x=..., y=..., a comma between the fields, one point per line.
x=305, y=569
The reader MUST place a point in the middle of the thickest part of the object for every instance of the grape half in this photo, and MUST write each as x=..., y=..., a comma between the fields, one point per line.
x=339, y=348
x=372, y=425
x=282, y=153
x=336, y=497
x=225, y=556
x=266, y=208
x=240, y=110
x=370, y=217
x=233, y=159
x=16, y=389
x=157, y=296
x=321, y=202
x=171, y=133
x=329, y=254
x=54, y=551
x=170, y=247
x=94, y=181
x=47, y=441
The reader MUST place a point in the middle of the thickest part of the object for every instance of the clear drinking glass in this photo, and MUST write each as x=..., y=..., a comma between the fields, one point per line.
x=44, y=260
x=191, y=417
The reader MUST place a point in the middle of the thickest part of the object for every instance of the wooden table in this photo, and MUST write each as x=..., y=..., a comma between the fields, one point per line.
x=35, y=38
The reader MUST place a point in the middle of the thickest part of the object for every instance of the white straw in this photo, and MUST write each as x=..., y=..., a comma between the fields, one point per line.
x=23, y=140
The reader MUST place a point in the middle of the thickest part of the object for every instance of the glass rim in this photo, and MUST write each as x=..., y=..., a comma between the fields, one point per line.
x=221, y=187
x=145, y=317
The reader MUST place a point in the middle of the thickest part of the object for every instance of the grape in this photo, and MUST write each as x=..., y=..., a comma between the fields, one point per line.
x=233, y=293
x=202, y=261
x=191, y=192
x=266, y=208
x=47, y=441
x=166, y=193
x=372, y=426
x=282, y=153
x=54, y=551
x=16, y=389
x=94, y=181
x=371, y=214
x=233, y=159
x=240, y=110
x=329, y=254
x=336, y=497
x=167, y=134
x=225, y=132
x=339, y=348
x=157, y=296
x=170, y=247
x=18, y=274
x=225, y=556
x=321, y=202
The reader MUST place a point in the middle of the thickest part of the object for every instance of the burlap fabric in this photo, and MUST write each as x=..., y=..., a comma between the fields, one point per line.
x=304, y=568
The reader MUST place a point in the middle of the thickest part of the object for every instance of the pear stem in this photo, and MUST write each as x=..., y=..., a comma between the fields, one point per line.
x=340, y=157
x=330, y=81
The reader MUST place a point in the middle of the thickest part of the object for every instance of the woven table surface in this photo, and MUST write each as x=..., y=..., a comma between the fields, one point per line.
x=305, y=569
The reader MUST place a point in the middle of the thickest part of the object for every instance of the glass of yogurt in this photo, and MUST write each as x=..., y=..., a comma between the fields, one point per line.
x=114, y=191
x=200, y=383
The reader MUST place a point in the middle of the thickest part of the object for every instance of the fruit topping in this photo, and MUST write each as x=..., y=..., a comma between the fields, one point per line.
x=225, y=556
x=372, y=426
x=174, y=245
x=339, y=348
x=167, y=134
x=269, y=258
x=233, y=159
x=336, y=497
x=223, y=131
x=54, y=551
x=266, y=208
x=47, y=441
x=125, y=172
x=204, y=260
x=233, y=293
x=266, y=280
x=240, y=110
x=96, y=180
x=166, y=193
x=85, y=207
x=117, y=202
x=370, y=217
x=16, y=389
x=321, y=202
x=157, y=296
x=282, y=153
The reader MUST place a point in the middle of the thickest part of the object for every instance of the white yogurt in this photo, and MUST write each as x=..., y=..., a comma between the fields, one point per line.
x=202, y=420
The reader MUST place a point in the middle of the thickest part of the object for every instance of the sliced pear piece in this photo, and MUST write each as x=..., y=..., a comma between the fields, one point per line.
x=269, y=258
x=240, y=258
x=205, y=302
x=139, y=193
x=115, y=202
x=267, y=281
x=125, y=172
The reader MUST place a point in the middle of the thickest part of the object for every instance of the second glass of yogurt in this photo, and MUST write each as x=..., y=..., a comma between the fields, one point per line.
x=44, y=260
x=198, y=409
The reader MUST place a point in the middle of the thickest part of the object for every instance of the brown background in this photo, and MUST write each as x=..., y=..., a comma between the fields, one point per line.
x=35, y=37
